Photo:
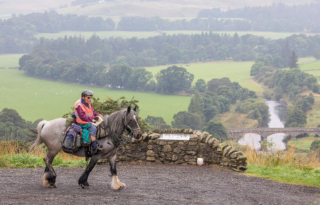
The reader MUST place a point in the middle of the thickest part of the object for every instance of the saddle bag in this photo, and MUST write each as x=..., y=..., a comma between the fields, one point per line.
x=72, y=139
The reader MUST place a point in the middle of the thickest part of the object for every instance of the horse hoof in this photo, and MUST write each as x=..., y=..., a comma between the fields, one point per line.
x=52, y=186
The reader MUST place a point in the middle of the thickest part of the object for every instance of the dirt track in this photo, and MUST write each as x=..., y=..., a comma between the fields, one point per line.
x=151, y=184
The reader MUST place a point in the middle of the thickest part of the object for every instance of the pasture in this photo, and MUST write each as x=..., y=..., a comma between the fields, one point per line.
x=10, y=60
x=236, y=71
x=36, y=98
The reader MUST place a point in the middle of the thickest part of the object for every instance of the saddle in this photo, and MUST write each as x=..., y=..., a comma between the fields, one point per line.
x=76, y=136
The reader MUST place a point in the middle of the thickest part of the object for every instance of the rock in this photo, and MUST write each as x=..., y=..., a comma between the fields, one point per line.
x=226, y=150
x=150, y=153
x=215, y=144
x=241, y=158
x=211, y=141
x=232, y=150
x=166, y=148
x=162, y=142
x=152, y=159
x=223, y=145
x=191, y=152
x=208, y=138
x=177, y=150
x=197, y=132
x=189, y=158
x=192, y=143
x=242, y=168
x=203, y=136
x=150, y=147
x=193, y=137
x=234, y=155
x=154, y=136
x=174, y=157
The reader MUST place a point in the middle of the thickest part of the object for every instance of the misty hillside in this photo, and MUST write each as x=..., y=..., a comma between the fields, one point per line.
x=162, y=8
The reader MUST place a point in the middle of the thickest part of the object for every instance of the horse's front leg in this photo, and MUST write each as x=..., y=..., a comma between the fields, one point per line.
x=49, y=177
x=83, y=180
x=115, y=183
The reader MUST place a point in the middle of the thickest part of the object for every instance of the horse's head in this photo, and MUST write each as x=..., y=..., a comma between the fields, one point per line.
x=132, y=124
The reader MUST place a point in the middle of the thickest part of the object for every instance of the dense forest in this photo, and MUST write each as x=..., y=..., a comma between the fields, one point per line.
x=50, y=56
x=17, y=33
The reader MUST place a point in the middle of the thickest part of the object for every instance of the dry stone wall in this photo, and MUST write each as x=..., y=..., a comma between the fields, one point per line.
x=200, y=145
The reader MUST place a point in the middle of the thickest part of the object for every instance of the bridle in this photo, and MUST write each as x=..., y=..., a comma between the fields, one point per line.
x=129, y=126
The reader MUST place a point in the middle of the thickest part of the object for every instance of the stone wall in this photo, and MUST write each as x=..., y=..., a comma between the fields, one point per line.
x=201, y=145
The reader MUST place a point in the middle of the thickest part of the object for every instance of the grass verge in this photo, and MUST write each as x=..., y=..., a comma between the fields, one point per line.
x=15, y=154
x=284, y=166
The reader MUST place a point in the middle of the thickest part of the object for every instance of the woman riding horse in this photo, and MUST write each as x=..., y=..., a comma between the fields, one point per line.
x=85, y=115
x=109, y=135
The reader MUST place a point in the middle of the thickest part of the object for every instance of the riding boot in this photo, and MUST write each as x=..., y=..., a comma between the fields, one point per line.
x=95, y=147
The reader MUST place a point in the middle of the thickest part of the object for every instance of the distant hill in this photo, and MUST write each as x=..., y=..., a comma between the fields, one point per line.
x=164, y=8
x=7, y=8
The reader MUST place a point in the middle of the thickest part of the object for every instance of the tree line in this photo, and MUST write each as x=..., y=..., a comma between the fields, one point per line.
x=288, y=85
x=161, y=50
x=216, y=98
x=278, y=17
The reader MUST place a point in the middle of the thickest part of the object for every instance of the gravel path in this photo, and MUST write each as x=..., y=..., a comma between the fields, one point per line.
x=151, y=184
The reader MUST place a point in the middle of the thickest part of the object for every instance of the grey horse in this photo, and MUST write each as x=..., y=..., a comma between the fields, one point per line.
x=49, y=133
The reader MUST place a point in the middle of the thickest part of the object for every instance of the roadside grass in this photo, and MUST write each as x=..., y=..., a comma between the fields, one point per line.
x=236, y=71
x=9, y=60
x=303, y=144
x=15, y=154
x=313, y=116
x=286, y=174
x=36, y=98
x=284, y=166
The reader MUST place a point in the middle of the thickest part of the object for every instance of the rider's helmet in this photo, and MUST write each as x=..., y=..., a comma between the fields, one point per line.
x=86, y=93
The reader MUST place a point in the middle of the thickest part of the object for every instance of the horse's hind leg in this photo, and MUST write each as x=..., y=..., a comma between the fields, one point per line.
x=115, y=183
x=49, y=177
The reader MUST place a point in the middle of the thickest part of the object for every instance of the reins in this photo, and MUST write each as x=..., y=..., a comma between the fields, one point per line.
x=116, y=138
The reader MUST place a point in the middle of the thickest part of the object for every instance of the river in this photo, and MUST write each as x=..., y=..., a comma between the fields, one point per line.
x=277, y=113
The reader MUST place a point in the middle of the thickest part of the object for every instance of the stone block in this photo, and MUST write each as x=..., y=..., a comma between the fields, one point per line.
x=208, y=138
x=215, y=144
x=191, y=152
x=154, y=136
x=189, y=158
x=171, y=142
x=166, y=148
x=194, y=137
x=234, y=155
x=152, y=159
x=241, y=158
x=197, y=132
x=177, y=150
x=162, y=142
x=150, y=147
x=211, y=141
x=203, y=136
x=226, y=150
x=192, y=143
x=191, y=148
x=150, y=153
x=174, y=157
x=223, y=145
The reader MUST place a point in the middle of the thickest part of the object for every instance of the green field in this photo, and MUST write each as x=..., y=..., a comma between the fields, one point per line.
x=312, y=66
x=35, y=98
x=10, y=60
x=236, y=71
x=146, y=34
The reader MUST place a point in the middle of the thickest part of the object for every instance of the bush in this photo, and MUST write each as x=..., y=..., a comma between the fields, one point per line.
x=315, y=145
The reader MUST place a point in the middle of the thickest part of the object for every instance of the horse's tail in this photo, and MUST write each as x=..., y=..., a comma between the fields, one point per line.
x=37, y=134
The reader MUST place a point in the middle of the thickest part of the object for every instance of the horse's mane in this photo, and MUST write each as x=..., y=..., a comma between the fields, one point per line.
x=115, y=121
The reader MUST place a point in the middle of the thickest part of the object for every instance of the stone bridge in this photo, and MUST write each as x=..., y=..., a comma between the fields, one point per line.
x=235, y=133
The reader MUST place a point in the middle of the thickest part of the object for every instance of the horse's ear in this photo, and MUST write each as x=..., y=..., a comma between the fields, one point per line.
x=135, y=108
x=129, y=109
